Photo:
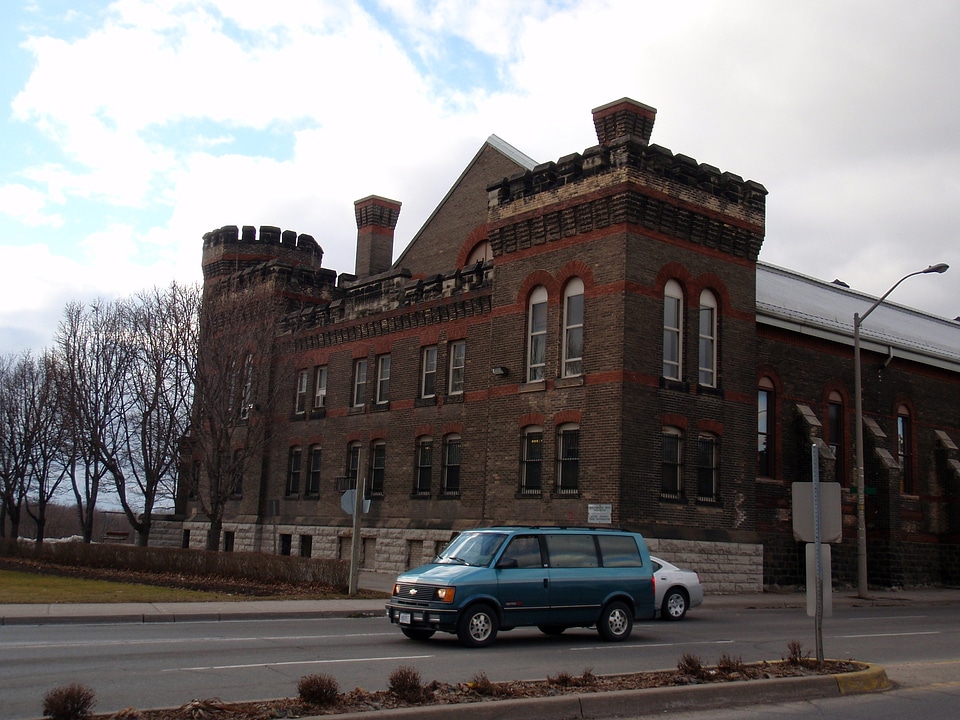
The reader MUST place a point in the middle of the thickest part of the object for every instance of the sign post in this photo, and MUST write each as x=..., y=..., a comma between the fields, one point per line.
x=357, y=512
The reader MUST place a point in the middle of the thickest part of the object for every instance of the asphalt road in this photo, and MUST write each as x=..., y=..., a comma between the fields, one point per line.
x=168, y=664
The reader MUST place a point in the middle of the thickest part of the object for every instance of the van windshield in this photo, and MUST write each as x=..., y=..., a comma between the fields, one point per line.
x=471, y=548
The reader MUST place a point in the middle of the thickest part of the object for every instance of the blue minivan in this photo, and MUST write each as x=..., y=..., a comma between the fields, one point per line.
x=553, y=578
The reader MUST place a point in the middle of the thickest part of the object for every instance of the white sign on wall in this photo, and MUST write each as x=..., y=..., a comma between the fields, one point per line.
x=599, y=513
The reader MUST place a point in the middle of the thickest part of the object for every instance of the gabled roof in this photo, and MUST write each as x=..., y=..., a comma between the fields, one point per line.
x=817, y=308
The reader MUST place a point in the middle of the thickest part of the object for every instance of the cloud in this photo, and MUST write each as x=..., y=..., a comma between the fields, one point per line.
x=28, y=206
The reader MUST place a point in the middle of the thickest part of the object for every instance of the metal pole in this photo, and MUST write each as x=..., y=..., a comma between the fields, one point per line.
x=858, y=392
x=818, y=548
x=360, y=485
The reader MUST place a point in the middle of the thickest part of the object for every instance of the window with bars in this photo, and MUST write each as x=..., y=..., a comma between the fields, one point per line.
x=531, y=470
x=707, y=490
x=671, y=464
x=568, y=460
x=293, y=473
x=451, y=465
x=423, y=470
x=378, y=466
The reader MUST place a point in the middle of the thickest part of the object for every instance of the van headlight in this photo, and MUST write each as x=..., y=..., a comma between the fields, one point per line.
x=445, y=594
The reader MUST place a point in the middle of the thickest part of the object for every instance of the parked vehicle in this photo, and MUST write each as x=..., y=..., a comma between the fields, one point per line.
x=553, y=578
x=678, y=589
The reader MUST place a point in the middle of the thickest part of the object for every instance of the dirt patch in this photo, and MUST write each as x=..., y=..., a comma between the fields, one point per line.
x=482, y=690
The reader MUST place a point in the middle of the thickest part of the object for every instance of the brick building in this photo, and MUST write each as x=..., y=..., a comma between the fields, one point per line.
x=586, y=341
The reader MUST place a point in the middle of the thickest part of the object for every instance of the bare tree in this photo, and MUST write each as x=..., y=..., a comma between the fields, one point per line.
x=233, y=394
x=16, y=436
x=95, y=358
x=49, y=458
x=155, y=400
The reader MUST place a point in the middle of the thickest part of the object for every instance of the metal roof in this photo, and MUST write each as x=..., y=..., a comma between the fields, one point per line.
x=825, y=309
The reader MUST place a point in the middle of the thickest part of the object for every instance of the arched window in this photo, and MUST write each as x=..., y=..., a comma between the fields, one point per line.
x=708, y=339
x=673, y=331
x=451, y=465
x=905, y=450
x=531, y=464
x=765, y=428
x=573, y=328
x=835, y=431
x=481, y=252
x=568, y=459
x=423, y=470
x=537, y=334
x=671, y=482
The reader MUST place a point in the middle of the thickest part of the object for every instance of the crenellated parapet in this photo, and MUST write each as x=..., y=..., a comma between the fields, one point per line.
x=229, y=249
x=624, y=179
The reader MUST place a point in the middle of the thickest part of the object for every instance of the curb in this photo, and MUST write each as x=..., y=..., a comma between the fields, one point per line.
x=650, y=701
x=145, y=618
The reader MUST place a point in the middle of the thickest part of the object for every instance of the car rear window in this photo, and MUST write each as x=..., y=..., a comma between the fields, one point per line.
x=619, y=551
x=572, y=551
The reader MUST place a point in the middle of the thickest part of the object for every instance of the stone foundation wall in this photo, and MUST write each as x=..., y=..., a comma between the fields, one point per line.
x=724, y=568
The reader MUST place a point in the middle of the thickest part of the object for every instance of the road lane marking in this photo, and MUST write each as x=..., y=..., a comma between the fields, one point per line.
x=643, y=646
x=299, y=662
x=903, y=634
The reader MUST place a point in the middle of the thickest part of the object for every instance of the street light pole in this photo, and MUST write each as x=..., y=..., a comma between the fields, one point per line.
x=858, y=400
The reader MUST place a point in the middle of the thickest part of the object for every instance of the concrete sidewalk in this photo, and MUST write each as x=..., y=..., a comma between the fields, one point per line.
x=52, y=613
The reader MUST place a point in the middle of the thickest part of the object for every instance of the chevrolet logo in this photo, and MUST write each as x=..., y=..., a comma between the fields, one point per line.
x=413, y=591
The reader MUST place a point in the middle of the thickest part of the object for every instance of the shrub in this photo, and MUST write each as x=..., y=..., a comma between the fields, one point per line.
x=406, y=684
x=482, y=686
x=588, y=678
x=70, y=702
x=729, y=665
x=561, y=679
x=796, y=654
x=319, y=690
x=690, y=664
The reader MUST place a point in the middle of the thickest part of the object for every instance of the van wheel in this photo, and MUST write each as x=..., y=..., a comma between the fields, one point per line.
x=616, y=622
x=417, y=633
x=674, y=605
x=478, y=626
x=551, y=629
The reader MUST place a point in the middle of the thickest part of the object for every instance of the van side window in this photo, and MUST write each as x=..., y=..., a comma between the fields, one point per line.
x=525, y=549
x=572, y=551
x=619, y=551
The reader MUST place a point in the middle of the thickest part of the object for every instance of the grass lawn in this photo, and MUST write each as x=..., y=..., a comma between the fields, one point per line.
x=25, y=587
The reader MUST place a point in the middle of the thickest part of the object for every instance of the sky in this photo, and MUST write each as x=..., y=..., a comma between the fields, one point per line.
x=130, y=128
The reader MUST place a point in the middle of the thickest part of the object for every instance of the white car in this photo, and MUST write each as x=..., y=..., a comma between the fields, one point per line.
x=678, y=590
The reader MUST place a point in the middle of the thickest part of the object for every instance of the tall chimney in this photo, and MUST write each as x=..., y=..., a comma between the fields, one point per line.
x=376, y=220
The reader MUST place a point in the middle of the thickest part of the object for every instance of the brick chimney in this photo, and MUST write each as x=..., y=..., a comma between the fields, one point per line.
x=624, y=118
x=376, y=220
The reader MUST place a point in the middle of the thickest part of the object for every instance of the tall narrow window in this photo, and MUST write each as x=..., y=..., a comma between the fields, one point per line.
x=424, y=468
x=568, y=460
x=672, y=330
x=383, y=379
x=353, y=463
x=359, y=382
x=378, y=468
x=451, y=465
x=428, y=372
x=320, y=387
x=458, y=354
x=313, y=479
x=246, y=398
x=672, y=466
x=905, y=450
x=531, y=471
x=300, y=405
x=573, y=328
x=708, y=339
x=765, y=426
x=537, y=335
x=707, y=468
x=835, y=434
x=293, y=473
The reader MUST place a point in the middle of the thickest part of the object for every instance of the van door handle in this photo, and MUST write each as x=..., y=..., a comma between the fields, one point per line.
x=546, y=582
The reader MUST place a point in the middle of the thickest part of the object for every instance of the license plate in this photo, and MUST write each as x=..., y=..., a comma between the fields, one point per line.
x=404, y=618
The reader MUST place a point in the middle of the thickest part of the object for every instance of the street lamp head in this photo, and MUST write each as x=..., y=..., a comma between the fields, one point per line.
x=938, y=268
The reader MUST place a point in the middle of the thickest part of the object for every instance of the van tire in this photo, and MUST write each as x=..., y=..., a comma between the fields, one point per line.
x=552, y=629
x=675, y=604
x=478, y=626
x=616, y=622
x=420, y=634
